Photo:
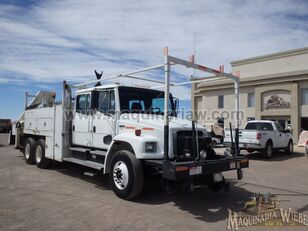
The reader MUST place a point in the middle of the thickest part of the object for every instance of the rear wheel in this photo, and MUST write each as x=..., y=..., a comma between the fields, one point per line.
x=268, y=150
x=289, y=149
x=28, y=150
x=126, y=175
x=40, y=159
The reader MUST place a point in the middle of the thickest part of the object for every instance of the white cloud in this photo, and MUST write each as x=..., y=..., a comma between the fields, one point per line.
x=68, y=39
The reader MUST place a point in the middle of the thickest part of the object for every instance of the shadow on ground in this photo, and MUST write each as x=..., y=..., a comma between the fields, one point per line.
x=277, y=156
x=204, y=204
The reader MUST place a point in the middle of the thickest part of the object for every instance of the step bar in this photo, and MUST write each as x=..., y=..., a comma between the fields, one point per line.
x=86, y=163
x=94, y=152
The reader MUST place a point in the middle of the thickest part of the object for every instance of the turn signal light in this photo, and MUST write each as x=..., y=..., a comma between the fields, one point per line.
x=138, y=132
x=181, y=168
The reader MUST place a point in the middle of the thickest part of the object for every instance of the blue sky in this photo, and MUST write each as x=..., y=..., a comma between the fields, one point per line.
x=44, y=42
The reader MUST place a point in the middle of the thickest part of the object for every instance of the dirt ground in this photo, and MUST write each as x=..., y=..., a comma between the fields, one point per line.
x=63, y=198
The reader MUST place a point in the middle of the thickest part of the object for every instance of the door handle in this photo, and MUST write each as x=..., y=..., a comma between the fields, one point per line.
x=94, y=129
x=73, y=127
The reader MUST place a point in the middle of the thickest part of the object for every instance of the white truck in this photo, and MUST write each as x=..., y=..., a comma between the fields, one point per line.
x=124, y=132
x=264, y=136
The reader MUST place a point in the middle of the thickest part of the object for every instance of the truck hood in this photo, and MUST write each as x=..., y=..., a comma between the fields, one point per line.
x=156, y=121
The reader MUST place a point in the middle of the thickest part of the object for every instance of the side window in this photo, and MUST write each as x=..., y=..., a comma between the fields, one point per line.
x=83, y=103
x=220, y=101
x=106, y=102
x=103, y=101
x=279, y=127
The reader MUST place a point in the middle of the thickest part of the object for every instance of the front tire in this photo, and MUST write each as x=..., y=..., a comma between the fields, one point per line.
x=126, y=175
x=289, y=149
x=268, y=150
x=28, y=150
x=40, y=159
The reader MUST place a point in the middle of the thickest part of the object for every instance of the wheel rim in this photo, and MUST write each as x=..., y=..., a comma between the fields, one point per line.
x=38, y=154
x=27, y=151
x=120, y=175
x=269, y=150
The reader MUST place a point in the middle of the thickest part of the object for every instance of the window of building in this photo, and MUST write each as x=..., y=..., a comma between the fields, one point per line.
x=251, y=118
x=251, y=99
x=304, y=96
x=220, y=101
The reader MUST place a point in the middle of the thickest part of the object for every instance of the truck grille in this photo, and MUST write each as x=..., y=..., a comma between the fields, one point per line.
x=184, y=144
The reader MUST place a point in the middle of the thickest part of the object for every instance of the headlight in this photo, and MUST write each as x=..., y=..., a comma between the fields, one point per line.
x=203, y=154
x=150, y=147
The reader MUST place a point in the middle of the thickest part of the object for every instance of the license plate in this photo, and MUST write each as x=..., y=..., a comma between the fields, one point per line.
x=242, y=145
x=195, y=170
x=232, y=165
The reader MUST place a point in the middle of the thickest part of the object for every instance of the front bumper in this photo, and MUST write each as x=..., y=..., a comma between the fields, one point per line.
x=172, y=170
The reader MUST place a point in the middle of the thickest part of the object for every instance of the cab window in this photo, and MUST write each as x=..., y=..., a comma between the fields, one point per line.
x=83, y=103
x=106, y=102
x=279, y=127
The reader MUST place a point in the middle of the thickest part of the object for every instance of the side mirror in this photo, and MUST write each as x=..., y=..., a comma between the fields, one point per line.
x=176, y=105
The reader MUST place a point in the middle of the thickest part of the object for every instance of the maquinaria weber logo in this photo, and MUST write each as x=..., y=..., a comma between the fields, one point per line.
x=262, y=210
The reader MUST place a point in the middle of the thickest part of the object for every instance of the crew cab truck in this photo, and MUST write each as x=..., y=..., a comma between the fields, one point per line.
x=124, y=132
x=263, y=135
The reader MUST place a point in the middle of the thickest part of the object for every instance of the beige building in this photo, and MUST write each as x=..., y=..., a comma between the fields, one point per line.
x=273, y=86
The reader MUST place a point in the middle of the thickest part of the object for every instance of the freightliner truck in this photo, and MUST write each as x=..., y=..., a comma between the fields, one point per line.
x=125, y=131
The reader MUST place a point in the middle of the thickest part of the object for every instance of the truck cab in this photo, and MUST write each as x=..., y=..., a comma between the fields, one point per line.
x=114, y=113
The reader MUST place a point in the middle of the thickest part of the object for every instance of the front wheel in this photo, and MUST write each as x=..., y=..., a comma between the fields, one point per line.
x=268, y=150
x=126, y=175
x=289, y=149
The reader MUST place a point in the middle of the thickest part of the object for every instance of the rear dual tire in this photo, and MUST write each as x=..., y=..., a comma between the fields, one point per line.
x=34, y=153
x=40, y=160
x=28, y=150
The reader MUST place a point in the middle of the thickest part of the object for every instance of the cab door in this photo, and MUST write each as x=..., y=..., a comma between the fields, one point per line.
x=103, y=121
x=282, y=136
x=82, y=134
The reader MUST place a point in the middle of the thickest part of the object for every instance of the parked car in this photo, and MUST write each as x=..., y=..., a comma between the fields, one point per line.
x=5, y=125
x=263, y=135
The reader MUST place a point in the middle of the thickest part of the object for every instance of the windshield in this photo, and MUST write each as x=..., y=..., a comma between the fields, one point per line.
x=138, y=100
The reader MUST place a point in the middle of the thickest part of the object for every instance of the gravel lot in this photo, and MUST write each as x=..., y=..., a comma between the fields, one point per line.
x=63, y=198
